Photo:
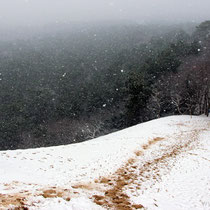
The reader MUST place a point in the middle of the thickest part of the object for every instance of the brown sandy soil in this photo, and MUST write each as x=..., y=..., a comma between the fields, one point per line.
x=22, y=200
x=115, y=196
x=112, y=191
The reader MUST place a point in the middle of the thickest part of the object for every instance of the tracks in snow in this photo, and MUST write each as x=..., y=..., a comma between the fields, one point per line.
x=147, y=167
x=150, y=163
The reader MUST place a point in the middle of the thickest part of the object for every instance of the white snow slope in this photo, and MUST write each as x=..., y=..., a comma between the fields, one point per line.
x=162, y=164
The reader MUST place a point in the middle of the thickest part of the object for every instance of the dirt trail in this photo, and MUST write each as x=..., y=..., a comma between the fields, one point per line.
x=145, y=166
x=22, y=200
x=132, y=176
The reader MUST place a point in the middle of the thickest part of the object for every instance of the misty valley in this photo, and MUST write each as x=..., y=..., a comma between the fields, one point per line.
x=69, y=83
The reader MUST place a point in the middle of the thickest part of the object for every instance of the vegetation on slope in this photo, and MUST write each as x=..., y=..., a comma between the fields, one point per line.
x=82, y=83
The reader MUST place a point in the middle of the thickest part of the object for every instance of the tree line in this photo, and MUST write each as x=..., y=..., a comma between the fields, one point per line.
x=63, y=89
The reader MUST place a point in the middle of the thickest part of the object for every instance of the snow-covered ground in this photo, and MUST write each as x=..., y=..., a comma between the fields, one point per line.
x=161, y=164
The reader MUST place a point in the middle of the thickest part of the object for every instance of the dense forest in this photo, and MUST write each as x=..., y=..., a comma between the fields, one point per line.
x=75, y=83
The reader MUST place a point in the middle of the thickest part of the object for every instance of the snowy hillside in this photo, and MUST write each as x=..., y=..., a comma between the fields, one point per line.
x=162, y=164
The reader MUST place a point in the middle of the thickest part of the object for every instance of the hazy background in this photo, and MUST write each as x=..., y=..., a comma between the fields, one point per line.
x=73, y=70
x=42, y=12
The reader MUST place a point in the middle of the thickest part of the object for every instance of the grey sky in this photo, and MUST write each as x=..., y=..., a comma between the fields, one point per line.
x=47, y=11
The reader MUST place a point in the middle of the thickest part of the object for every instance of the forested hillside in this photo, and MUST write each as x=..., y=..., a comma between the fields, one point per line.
x=75, y=83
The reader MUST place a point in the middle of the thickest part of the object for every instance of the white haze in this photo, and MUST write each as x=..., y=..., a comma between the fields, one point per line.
x=42, y=12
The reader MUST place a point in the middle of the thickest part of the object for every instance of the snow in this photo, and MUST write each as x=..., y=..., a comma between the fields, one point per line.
x=170, y=169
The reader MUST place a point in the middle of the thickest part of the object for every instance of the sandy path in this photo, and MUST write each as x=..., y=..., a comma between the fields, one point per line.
x=163, y=173
x=145, y=170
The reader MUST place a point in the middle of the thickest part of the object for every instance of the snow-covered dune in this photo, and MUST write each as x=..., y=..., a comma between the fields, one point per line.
x=161, y=164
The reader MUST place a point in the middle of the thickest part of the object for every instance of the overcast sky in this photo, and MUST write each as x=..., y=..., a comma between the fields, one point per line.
x=41, y=12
